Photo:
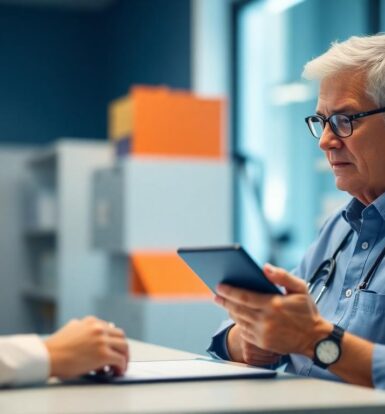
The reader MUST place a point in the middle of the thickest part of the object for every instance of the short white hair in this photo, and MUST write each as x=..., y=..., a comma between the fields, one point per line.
x=361, y=53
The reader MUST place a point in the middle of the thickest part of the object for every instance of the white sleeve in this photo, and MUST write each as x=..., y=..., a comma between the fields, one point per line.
x=24, y=359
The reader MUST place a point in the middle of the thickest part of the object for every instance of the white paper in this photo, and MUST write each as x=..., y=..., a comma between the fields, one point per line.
x=187, y=369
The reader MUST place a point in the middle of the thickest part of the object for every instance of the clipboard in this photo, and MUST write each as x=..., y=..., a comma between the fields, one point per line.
x=198, y=369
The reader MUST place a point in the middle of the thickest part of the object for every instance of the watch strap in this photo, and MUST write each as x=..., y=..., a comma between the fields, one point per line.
x=337, y=333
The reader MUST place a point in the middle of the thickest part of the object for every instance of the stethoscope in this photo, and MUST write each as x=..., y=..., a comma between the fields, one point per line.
x=328, y=268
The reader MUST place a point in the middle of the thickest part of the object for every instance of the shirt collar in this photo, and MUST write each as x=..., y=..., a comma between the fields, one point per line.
x=355, y=211
x=352, y=214
x=379, y=204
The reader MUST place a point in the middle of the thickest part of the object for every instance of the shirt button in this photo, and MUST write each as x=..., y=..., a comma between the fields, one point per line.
x=348, y=293
x=365, y=245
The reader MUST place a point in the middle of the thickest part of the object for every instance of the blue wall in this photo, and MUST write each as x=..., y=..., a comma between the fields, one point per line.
x=151, y=44
x=59, y=69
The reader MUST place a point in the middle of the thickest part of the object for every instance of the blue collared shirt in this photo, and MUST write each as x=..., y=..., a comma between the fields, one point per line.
x=360, y=312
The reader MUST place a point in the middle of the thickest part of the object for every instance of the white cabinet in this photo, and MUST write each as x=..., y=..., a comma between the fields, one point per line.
x=155, y=205
x=13, y=264
x=162, y=204
x=65, y=272
x=182, y=323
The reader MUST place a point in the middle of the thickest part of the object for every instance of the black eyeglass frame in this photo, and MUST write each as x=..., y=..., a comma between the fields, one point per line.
x=351, y=118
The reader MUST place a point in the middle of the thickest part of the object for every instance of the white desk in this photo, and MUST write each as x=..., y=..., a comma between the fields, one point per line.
x=289, y=395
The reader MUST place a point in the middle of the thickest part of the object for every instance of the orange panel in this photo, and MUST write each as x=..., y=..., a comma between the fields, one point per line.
x=164, y=274
x=176, y=123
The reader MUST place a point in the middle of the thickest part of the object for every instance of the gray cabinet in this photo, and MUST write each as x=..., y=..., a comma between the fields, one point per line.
x=14, y=316
x=64, y=272
x=155, y=205
x=162, y=204
x=184, y=323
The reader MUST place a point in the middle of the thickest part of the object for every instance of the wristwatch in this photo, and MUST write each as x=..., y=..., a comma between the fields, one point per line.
x=327, y=351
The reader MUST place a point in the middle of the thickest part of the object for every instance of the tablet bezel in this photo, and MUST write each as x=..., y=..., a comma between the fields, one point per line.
x=190, y=254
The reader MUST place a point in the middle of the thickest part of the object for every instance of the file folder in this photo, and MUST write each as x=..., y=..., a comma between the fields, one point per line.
x=199, y=369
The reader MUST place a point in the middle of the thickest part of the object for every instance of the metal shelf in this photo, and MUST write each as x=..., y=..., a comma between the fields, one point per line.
x=40, y=294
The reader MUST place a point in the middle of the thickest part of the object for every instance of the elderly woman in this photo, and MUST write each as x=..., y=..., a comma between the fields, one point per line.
x=331, y=322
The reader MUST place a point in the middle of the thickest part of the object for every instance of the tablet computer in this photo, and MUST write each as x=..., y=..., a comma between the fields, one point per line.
x=227, y=264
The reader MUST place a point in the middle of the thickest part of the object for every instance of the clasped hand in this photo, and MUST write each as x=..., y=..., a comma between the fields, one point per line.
x=273, y=323
x=85, y=345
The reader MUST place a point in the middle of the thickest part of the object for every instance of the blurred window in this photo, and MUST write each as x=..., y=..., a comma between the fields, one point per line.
x=284, y=189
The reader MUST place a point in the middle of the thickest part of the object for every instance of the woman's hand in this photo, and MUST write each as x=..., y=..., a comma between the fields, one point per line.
x=86, y=345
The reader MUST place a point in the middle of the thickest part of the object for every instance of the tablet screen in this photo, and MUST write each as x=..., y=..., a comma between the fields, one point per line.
x=227, y=264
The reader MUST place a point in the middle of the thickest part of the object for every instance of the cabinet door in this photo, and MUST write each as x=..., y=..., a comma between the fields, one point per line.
x=107, y=208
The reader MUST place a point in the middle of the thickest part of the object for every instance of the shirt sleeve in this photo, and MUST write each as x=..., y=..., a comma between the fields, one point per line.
x=218, y=346
x=378, y=366
x=24, y=359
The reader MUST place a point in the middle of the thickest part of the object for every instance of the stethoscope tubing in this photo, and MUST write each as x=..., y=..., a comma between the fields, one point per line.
x=329, y=266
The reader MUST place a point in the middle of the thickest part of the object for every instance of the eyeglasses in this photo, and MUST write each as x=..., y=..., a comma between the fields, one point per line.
x=340, y=124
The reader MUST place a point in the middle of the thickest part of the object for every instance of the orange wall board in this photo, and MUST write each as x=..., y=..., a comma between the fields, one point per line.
x=177, y=123
x=164, y=274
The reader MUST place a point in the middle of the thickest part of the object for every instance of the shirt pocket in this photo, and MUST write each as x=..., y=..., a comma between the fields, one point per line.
x=367, y=318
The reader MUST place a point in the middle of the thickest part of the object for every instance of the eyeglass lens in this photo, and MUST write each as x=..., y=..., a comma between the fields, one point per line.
x=339, y=123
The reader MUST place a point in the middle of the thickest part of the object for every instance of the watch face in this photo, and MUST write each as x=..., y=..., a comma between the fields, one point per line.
x=327, y=351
